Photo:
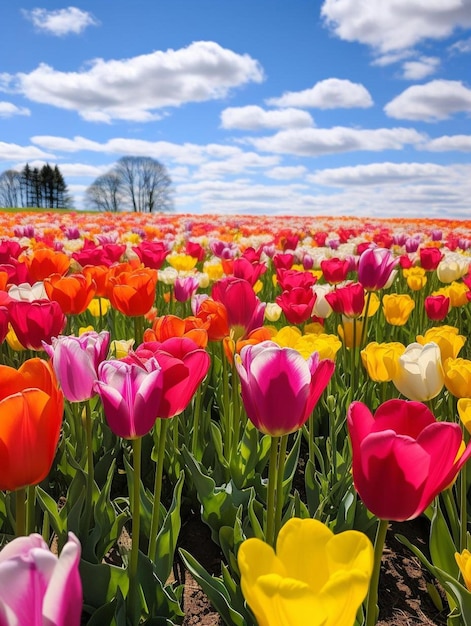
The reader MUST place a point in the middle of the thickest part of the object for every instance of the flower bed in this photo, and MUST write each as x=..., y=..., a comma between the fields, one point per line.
x=157, y=368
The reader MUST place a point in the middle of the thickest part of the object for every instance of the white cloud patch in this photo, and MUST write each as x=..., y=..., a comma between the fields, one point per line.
x=14, y=152
x=286, y=172
x=436, y=100
x=379, y=174
x=319, y=141
x=390, y=25
x=135, y=89
x=331, y=93
x=8, y=109
x=60, y=22
x=463, y=46
x=255, y=118
x=460, y=143
x=423, y=67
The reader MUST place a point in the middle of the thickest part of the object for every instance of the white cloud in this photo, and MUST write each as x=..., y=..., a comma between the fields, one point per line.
x=237, y=164
x=79, y=170
x=436, y=100
x=463, y=46
x=61, y=21
x=389, y=25
x=14, y=152
x=319, y=141
x=254, y=118
x=461, y=143
x=8, y=109
x=286, y=172
x=135, y=88
x=423, y=67
x=379, y=173
x=331, y=93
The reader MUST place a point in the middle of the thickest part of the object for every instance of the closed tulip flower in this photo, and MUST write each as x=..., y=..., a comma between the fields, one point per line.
x=36, y=322
x=402, y=457
x=348, y=300
x=335, y=270
x=381, y=360
x=75, y=361
x=279, y=388
x=37, y=587
x=397, y=308
x=437, y=307
x=133, y=292
x=452, y=268
x=430, y=257
x=314, y=575
x=375, y=268
x=73, y=292
x=245, y=312
x=297, y=304
x=458, y=377
x=464, y=411
x=415, y=277
x=447, y=339
x=31, y=407
x=419, y=375
x=463, y=560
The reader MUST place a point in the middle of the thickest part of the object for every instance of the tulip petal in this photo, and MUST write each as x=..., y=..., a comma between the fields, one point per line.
x=405, y=418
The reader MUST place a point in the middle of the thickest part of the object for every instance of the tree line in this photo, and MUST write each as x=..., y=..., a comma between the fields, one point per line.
x=137, y=184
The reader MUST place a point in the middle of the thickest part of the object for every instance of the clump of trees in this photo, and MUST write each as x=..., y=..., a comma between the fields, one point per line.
x=43, y=187
x=138, y=184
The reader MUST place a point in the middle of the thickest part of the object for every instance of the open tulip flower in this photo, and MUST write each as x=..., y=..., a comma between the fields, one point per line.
x=315, y=577
x=31, y=409
x=279, y=388
x=402, y=457
x=37, y=588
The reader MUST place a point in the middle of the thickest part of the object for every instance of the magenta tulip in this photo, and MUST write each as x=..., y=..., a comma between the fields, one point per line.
x=36, y=322
x=279, y=387
x=297, y=304
x=375, y=268
x=131, y=393
x=402, y=457
x=245, y=312
x=75, y=361
x=36, y=587
x=185, y=288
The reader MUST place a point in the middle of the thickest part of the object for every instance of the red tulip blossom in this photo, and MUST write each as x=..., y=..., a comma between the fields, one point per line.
x=348, y=300
x=36, y=322
x=297, y=304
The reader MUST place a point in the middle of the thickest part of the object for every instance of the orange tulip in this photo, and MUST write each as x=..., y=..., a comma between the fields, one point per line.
x=44, y=262
x=215, y=314
x=132, y=292
x=99, y=273
x=168, y=326
x=31, y=407
x=73, y=293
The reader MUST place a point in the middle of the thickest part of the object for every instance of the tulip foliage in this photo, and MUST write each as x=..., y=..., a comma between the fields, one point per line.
x=296, y=386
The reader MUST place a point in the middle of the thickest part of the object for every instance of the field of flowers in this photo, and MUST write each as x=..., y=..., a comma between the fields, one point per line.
x=156, y=366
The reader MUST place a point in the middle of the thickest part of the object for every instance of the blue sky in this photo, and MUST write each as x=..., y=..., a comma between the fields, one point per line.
x=299, y=107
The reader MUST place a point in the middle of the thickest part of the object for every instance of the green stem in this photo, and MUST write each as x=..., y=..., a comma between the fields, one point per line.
x=160, y=437
x=90, y=466
x=20, y=512
x=463, y=525
x=134, y=602
x=30, y=502
x=279, y=485
x=236, y=417
x=451, y=510
x=138, y=329
x=271, y=492
x=225, y=399
x=196, y=423
x=372, y=600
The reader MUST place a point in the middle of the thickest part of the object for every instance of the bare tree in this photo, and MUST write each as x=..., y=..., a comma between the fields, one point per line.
x=104, y=194
x=10, y=189
x=138, y=184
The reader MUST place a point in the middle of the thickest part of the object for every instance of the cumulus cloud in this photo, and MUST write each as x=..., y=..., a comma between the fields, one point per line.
x=389, y=25
x=136, y=88
x=254, y=118
x=61, y=21
x=423, y=67
x=436, y=100
x=461, y=143
x=8, y=109
x=14, y=152
x=319, y=141
x=379, y=173
x=463, y=46
x=331, y=93
x=286, y=172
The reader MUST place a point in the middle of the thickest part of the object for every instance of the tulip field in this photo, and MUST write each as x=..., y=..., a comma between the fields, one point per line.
x=157, y=367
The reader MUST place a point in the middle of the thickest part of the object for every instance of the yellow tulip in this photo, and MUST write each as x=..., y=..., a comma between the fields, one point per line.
x=464, y=563
x=458, y=377
x=416, y=278
x=85, y=329
x=315, y=577
x=287, y=337
x=373, y=304
x=326, y=345
x=350, y=331
x=447, y=339
x=381, y=360
x=120, y=348
x=182, y=262
x=397, y=308
x=213, y=270
x=99, y=306
x=12, y=340
x=457, y=294
x=464, y=411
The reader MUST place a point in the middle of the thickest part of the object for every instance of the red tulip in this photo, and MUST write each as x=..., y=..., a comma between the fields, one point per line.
x=348, y=300
x=335, y=270
x=430, y=258
x=36, y=322
x=297, y=304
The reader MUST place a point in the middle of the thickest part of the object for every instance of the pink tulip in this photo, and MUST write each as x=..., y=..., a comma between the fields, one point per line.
x=131, y=394
x=75, y=361
x=185, y=288
x=245, y=312
x=36, y=587
x=177, y=390
x=375, y=268
x=402, y=457
x=36, y=322
x=279, y=387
